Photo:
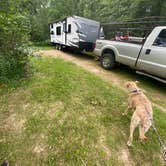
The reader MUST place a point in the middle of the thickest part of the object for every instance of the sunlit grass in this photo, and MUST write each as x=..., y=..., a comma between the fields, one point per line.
x=64, y=115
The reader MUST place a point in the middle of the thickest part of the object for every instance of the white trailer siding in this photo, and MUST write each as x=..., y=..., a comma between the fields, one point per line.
x=75, y=32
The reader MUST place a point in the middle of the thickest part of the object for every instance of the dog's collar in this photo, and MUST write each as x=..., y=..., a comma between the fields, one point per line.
x=136, y=91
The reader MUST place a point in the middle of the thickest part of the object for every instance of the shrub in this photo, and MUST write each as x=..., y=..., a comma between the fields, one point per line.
x=14, y=36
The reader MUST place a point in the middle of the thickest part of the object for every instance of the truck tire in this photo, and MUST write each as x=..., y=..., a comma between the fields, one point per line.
x=107, y=61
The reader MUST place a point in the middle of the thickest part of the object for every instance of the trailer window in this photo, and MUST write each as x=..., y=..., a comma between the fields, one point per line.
x=69, y=28
x=58, y=30
x=51, y=25
x=52, y=32
x=161, y=39
x=64, y=27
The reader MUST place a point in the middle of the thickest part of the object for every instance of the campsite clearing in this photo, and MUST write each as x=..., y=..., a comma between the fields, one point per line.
x=64, y=115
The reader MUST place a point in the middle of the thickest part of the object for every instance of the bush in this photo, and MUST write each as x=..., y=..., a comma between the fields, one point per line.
x=14, y=65
x=14, y=36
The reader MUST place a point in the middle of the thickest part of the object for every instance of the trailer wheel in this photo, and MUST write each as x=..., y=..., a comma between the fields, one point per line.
x=63, y=48
x=107, y=61
x=58, y=47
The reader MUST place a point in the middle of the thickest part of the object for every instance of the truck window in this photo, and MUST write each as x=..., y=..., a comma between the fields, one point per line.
x=69, y=28
x=161, y=39
x=58, y=30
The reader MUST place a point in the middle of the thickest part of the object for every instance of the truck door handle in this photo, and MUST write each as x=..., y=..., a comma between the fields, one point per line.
x=148, y=51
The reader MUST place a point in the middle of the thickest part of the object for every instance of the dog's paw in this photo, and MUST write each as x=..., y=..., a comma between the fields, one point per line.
x=124, y=114
x=129, y=143
x=143, y=139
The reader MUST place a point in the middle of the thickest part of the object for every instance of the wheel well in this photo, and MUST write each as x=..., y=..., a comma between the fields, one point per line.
x=108, y=51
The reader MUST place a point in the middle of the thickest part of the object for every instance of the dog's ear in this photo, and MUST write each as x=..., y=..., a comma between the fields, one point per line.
x=137, y=82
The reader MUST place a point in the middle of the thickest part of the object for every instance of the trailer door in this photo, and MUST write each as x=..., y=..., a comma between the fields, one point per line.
x=72, y=36
x=52, y=33
x=58, y=34
x=64, y=32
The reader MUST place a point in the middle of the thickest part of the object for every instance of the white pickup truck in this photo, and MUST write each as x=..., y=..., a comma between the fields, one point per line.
x=148, y=58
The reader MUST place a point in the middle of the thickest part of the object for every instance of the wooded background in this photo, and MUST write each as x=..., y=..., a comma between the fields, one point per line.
x=39, y=13
x=22, y=21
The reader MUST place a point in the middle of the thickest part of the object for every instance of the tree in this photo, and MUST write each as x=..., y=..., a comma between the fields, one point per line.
x=37, y=11
x=144, y=8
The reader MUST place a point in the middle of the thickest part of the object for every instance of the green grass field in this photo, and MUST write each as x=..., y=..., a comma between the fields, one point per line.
x=63, y=115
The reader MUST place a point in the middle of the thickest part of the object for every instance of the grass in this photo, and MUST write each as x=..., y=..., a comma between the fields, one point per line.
x=154, y=89
x=64, y=115
x=37, y=47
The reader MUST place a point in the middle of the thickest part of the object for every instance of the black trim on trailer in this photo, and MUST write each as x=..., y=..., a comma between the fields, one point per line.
x=66, y=31
x=59, y=20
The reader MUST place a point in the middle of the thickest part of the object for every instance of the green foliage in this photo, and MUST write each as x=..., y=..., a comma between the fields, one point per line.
x=107, y=10
x=41, y=12
x=14, y=65
x=145, y=8
x=37, y=11
x=14, y=29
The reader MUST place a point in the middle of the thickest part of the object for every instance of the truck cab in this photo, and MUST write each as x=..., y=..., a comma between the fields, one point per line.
x=153, y=55
x=147, y=56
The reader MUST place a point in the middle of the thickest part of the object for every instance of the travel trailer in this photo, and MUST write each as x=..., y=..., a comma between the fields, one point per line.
x=75, y=32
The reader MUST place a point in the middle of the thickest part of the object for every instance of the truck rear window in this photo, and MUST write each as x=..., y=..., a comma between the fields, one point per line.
x=128, y=35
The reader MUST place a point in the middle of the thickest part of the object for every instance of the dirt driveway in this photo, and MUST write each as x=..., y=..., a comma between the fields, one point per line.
x=155, y=90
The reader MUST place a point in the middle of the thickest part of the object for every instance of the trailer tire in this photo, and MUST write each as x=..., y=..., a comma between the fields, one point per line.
x=108, y=61
x=60, y=47
x=57, y=46
x=64, y=48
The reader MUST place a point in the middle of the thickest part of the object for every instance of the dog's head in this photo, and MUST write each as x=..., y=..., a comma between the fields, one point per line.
x=132, y=85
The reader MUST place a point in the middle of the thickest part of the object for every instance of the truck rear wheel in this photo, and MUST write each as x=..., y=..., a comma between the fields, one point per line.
x=107, y=61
